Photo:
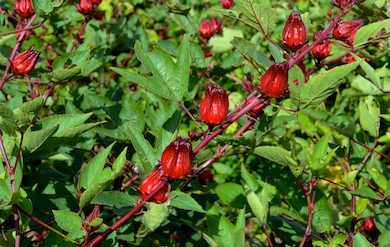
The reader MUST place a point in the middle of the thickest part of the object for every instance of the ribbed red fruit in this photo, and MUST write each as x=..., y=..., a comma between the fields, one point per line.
x=25, y=62
x=177, y=158
x=294, y=32
x=24, y=8
x=214, y=106
x=274, y=81
x=346, y=30
x=151, y=182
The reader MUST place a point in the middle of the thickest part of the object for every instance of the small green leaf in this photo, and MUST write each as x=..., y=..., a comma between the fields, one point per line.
x=231, y=194
x=384, y=239
x=318, y=155
x=184, y=201
x=360, y=241
x=115, y=199
x=64, y=121
x=369, y=116
x=169, y=79
x=144, y=150
x=27, y=111
x=339, y=239
x=370, y=73
x=43, y=7
x=320, y=87
x=322, y=217
x=274, y=154
x=73, y=58
x=7, y=120
x=366, y=192
x=379, y=179
x=154, y=216
x=5, y=193
x=370, y=31
x=64, y=75
x=90, y=172
x=32, y=140
x=249, y=179
x=69, y=222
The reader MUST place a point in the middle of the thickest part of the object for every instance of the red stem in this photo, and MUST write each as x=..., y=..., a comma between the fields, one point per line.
x=125, y=218
x=16, y=48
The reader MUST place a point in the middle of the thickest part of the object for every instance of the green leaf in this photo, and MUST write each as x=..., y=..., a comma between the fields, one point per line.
x=320, y=150
x=231, y=194
x=64, y=75
x=69, y=222
x=256, y=205
x=223, y=43
x=7, y=120
x=115, y=199
x=64, y=121
x=144, y=150
x=169, y=79
x=379, y=179
x=249, y=179
x=274, y=154
x=90, y=172
x=5, y=193
x=360, y=241
x=248, y=50
x=131, y=114
x=154, y=216
x=384, y=239
x=320, y=87
x=78, y=58
x=43, y=7
x=339, y=239
x=27, y=111
x=75, y=131
x=370, y=73
x=322, y=216
x=103, y=180
x=369, y=116
x=370, y=31
x=32, y=140
x=257, y=14
x=184, y=201
x=366, y=192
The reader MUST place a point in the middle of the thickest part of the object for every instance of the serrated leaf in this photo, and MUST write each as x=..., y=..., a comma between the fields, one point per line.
x=25, y=112
x=64, y=75
x=274, y=154
x=115, y=199
x=64, y=121
x=7, y=120
x=248, y=50
x=370, y=31
x=255, y=204
x=366, y=192
x=154, y=217
x=144, y=150
x=32, y=140
x=131, y=114
x=103, y=180
x=320, y=87
x=76, y=58
x=379, y=179
x=43, y=7
x=75, y=131
x=318, y=155
x=231, y=194
x=5, y=193
x=369, y=116
x=370, y=73
x=249, y=179
x=322, y=216
x=169, y=79
x=93, y=168
x=184, y=201
x=257, y=14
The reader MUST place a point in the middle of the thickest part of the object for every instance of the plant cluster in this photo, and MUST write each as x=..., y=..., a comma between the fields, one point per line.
x=212, y=123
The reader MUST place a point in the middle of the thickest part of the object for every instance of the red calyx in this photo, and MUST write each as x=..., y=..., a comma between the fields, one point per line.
x=206, y=29
x=20, y=26
x=321, y=50
x=206, y=177
x=177, y=158
x=85, y=7
x=369, y=225
x=92, y=216
x=227, y=4
x=25, y=62
x=294, y=32
x=24, y=8
x=346, y=30
x=214, y=106
x=151, y=182
x=274, y=81
x=341, y=4
x=217, y=25
x=257, y=109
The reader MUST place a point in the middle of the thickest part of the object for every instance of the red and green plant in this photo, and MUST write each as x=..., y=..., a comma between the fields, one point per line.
x=195, y=123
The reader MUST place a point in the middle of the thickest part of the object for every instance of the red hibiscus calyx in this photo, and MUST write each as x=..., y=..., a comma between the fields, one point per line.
x=214, y=106
x=177, y=158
